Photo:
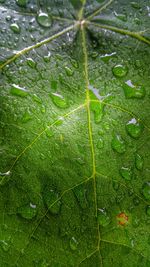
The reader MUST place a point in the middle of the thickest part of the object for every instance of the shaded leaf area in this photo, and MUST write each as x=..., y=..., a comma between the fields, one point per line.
x=74, y=176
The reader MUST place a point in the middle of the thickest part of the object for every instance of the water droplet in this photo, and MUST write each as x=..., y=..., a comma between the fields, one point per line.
x=118, y=144
x=126, y=173
x=52, y=201
x=28, y=211
x=139, y=162
x=15, y=28
x=47, y=58
x=122, y=17
x=73, y=243
x=22, y=3
x=119, y=71
x=69, y=71
x=4, y=178
x=107, y=57
x=18, y=91
x=49, y=133
x=80, y=194
x=44, y=19
x=146, y=190
x=43, y=109
x=133, y=91
x=122, y=219
x=100, y=143
x=5, y=245
x=58, y=100
x=148, y=210
x=31, y=63
x=74, y=63
x=36, y=98
x=134, y=128
x=103, y=217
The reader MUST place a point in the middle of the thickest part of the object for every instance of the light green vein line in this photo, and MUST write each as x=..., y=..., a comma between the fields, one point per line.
x=43, y=216
x=124, y=185
x=29, y=48
x=88, y=256
x=80, y=13
x=41, y=133
x=124, y=245
x=123, y=110
x=99, y=10
x=135, y=35
x=89, y=125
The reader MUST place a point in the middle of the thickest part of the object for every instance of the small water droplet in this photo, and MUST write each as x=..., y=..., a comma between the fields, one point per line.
x=31, y=63
x=119, y=70
x=52, y=201
x=134, y=128
x=148, y=210
x=5, y=245
x=18, y=91
x=122, y=17
x=44, y=19
x=103, y=218
x=139, y=162
x=133, y=91
x=74, y=63
x=100, y=143
x=47, y=58
x=22, y=3
x=4, y=177
x=37, y=99
x=146, y=190
x=15, y=28
x=28, y=211
x=107, y=57
x=58, y=100
x=73, y=243
x=69, y=71
x=118, y=144
x=126, y=173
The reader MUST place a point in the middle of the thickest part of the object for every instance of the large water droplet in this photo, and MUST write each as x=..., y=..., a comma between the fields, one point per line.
x=146, y=190
x=18, y=91
x=133, y=91
x=126, y=173
x=118, y=144
x=134, y=128
x=44, y=19
x=73, y=243
x=52, y=201
x=31, y=63
x=28, y=211
x=103, y=218
x=22, y=3
x=15, y=28
x=58, y=100
x=119, y=71
x=139, y=162
x=148, y=210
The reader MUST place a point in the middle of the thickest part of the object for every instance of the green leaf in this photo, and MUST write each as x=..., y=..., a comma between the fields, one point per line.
x=75, y=150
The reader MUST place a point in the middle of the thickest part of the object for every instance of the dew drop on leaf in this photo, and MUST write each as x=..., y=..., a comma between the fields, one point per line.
x=119, y=71
x=4, y=178
x=139, y=162
x=28, y=211
x=51, y=199
x=44, y=19
x=103, y=217
x=22, y=3
x=58, y=100
x=118, y=144
x=74, y=63
x=133, y=91
x=100, y=143
x=15, y=28
x=73, y=243
x=37, y=99
x=18, y=91
x=146, y=190
x=31, y=63
x=126, y=173
x=134, y=128
x=148, y=210
x=107, y=57
x=69, y=71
